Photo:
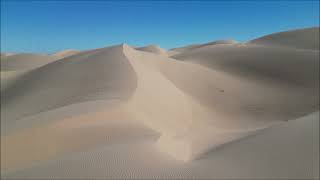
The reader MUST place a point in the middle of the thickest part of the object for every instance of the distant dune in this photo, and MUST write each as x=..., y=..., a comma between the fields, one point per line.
x=199, y=111
x=66, y=53
x=15, y=65
x=300, y=38
x=196, y=46
x=24, y=61
x=153, y=49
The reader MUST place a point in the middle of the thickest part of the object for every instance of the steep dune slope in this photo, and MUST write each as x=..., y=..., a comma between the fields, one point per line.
x=98, y=74
x=184, y=105
x=204, y=103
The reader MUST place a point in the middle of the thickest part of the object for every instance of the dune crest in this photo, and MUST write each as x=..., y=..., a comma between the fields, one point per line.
x=307, y=38
x=186, y=103
x=25, y=61
x=66, y=53
x=179, y=50
x=112, y=78
x=153, y=49
x=193, y=122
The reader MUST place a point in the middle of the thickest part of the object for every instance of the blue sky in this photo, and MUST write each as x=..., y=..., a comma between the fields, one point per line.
x=49, y=26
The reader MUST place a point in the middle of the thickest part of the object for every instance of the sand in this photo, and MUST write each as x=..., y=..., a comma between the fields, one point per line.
x=152, y=49
x=187, y=48
x=65, y=53
x=216, y=110
x=300, y=39
x=288, y=151
x=25, y=61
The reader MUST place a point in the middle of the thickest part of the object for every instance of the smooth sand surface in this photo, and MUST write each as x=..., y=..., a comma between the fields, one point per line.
x=25, y=61
x=66, y=53
x=152, y=49
x=300, y=38
x=195, y=46
x=68, y=81
x=15, y=65
x=288, y=151
x=9, y=77
x=217, y=110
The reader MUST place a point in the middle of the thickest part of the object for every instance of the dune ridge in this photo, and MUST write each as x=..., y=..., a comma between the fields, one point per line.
x=179, y=50
x=153, y=49
x=66, y=53
x=188, y=101
x=299, y=38
x=24, y=61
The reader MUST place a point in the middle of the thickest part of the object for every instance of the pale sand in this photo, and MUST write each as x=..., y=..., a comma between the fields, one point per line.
x=25, y=61
x=66, y=53
x=15, y=65
x=99, y=113
x=175, y=51
x=9, y=77
x=288, y=151
x=300, y=38
x=153, y=49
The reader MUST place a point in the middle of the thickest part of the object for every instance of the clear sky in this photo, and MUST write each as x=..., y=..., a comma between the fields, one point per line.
x=49, y=26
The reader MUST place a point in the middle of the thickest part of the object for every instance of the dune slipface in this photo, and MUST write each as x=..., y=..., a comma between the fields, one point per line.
x=113, y=106
x=15, y=65
x=98, y=74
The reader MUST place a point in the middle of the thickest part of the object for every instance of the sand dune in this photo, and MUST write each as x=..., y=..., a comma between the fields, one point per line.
x=205, y=104
x=195, y=46
x=301, y=38
x=9, y=77
x=177, y=107
x=66, y=53
x=288, y=151
x=153, y=49
x=69, y=82
x=28, y=61
x=15, y=65
x=25, y=61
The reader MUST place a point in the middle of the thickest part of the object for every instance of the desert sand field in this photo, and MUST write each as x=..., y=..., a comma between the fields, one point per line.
x=218, y=110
